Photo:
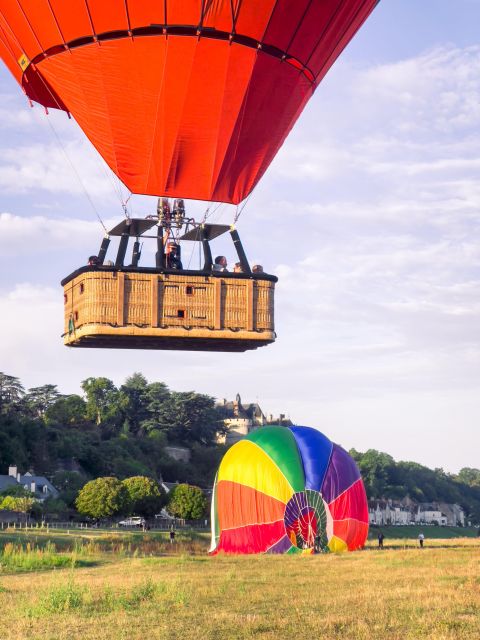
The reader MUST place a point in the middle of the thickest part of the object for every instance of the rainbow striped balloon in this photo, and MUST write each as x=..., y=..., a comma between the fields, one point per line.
x=288, y=490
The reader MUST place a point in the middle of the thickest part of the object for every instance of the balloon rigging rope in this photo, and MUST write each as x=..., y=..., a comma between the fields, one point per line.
x=239, y=211
x=82, y=184
x=58, y=137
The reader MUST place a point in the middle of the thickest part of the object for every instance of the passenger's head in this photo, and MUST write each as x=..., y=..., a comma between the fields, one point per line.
x=237, y=268
x=93, y=261
x=257, y=268
x=173, y=248
x=221, y=260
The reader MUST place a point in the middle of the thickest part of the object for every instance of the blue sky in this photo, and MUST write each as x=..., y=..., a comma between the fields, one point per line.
x=369, y=215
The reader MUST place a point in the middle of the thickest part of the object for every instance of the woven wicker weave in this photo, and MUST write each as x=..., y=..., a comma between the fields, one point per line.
x=125, y=309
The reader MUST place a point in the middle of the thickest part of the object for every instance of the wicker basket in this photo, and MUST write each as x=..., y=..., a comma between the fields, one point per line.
x=132, y=309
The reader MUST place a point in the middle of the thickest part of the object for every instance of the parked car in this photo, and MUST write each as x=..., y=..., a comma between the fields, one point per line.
x=134, y=521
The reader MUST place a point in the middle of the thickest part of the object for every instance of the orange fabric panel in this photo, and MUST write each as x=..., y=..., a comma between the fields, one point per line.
x=108, y=16
x=18, y=28
x=219, y=15
x=10, y=52
x=166, y=150
x=86, y=99
x=143, y=13
x=209, y=111
x=42, y=23
x=184, y=12
x=205, y=125
x=239, y=506
x=72, y=17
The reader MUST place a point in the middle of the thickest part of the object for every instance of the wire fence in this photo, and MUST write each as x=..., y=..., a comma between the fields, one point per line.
x=157, y=524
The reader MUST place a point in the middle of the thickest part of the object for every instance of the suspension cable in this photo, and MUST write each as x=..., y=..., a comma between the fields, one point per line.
x=87, y=195
x=238, y=211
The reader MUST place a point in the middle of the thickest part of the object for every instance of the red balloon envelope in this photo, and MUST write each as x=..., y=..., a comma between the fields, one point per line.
x=189, y=98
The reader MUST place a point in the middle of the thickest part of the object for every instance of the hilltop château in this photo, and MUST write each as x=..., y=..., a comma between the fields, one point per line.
x=241, y=419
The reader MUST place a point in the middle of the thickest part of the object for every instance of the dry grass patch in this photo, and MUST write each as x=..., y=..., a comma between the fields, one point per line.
x=409, y=593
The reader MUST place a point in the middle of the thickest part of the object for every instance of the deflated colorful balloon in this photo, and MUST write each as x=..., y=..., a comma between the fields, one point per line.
x=288, y=490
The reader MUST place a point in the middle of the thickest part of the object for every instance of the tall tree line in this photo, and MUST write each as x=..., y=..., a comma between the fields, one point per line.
x=109, y=430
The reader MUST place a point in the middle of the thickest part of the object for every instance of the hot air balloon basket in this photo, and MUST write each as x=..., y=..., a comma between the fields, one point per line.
x=134, y=309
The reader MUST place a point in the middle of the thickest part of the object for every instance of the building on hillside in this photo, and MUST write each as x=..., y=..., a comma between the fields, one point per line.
x=6, y=482
x=243, y=418
x=240, y=419
x=383, y=512
x=39, y=486
x=406, y=511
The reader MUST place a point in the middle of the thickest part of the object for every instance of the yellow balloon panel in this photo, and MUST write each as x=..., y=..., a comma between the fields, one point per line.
x=247, y=464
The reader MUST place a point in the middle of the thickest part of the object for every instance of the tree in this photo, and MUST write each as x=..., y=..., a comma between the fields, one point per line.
x=145, y=496
x=68, y=411
x=187, y=501
x=69, y=484
x=103, y=402
x=39, y=399
x=102, y=498
x=133, y=398
x=17, y=503
x=16, y=491
x=156, y=398
x=11, y=392
x=469, y=476
x=192, y=417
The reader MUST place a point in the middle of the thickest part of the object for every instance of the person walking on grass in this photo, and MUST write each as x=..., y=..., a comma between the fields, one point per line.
x=381, y=538
x=172, y=534
x=421, y=538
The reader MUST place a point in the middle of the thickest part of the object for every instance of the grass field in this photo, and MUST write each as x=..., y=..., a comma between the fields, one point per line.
x=106, y=586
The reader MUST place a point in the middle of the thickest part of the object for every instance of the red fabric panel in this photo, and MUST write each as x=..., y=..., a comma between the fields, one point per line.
x=353, y=532
x=238, y=505
x=251, y=539
x=276, y=96
x=314, y=26
x=281, y=29
x=352, y=503
x=350, y=515
x=254, y=16
x=347, y=21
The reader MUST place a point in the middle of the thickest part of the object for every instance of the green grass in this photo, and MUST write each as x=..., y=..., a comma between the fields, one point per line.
x=17, y=558
x=430, y=532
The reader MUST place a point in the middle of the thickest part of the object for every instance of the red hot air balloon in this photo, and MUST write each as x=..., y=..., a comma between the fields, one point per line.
x=189, y=98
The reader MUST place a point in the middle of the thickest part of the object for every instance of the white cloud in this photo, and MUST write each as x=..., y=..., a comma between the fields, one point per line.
x=37, y=235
